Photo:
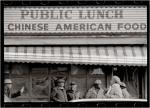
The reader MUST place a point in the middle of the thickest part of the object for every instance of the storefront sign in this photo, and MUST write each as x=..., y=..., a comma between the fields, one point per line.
x=75, y=19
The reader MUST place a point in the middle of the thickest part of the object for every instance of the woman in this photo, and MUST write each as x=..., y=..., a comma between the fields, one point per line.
x=96, y=91
x=114, y=90
x=124, y=91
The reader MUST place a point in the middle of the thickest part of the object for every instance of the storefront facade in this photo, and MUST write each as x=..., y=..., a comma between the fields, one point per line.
x=78, y=44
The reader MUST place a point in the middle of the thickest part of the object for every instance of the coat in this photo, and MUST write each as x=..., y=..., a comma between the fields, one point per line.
x=125, y=93
x=115, y=91
x=59, y=95
x=93, y=94
x=8, y=95
x=73, y=95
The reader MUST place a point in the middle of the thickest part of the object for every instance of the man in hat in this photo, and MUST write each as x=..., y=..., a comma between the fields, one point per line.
x=114, y=90
x=125, y=93
x=7, y=91
x=96, y=91
x=73, y=93
x=59, y=92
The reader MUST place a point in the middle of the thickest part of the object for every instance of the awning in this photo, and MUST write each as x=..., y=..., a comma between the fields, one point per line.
x=106, y=55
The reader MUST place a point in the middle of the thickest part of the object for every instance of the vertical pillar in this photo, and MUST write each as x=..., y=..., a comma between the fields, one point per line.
x=109, y=76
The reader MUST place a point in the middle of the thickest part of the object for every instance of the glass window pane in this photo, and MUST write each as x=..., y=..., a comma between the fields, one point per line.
x=54, y=81
x=18, y=83
x=7, y=68
x=96, y=71
x=59, y=70
x=40, y=86
x=81, y=82
x=78, y=70
x=40, y=71
x=91, y=81
x=20, y=69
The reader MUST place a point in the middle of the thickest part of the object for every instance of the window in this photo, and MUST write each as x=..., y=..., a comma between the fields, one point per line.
x=19, y=76
x=39, y=83
x=96, y=72
x=18, y=83
x=19, y=70
x=40, y=79
x=7, y=70
x=134, y=79
x=78, y=70
x=59, y=70
x=40, y=86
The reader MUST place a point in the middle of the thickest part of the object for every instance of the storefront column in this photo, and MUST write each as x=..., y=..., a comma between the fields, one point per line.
x=108, y=77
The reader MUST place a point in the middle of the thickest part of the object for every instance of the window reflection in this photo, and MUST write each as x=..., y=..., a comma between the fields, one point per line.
x=40, y=86
x=97, y=71
x=78, y=70
x=40, y=71
x=62, y=70
x=19, y=69
x=18, y=83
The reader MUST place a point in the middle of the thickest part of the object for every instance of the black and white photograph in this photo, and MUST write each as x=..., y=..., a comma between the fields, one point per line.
x=75, y=53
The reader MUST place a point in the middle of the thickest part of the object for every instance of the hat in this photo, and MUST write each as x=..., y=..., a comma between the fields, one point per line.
x=116, y=79
x=97, y=82
x=7, y=81
x=123, y=85
x=73, y=83
x=60, y=81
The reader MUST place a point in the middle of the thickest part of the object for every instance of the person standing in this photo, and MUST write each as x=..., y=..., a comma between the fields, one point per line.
x=59, y=92
x=125, y=93
x=7, y=91
x=96, y=91
x=73, y=93
x=114, y=90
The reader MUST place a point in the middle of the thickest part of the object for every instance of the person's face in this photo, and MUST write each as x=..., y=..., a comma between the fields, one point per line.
x=111, y=81
x=9, y=85
x=74, y=87
x=61, y=84
x=99, y=85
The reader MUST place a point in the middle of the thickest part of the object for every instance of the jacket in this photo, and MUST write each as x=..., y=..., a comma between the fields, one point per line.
x=125, y=93
x=73, y=95
x=92, y=93
x=59, y=95
x=115, y=91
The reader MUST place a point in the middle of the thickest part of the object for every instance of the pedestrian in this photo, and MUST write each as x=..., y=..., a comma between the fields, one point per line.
x=114, y=90
x=8, y=96
x=96, y=91
x=125, y=92
x=59, y=92
x=73, y=93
